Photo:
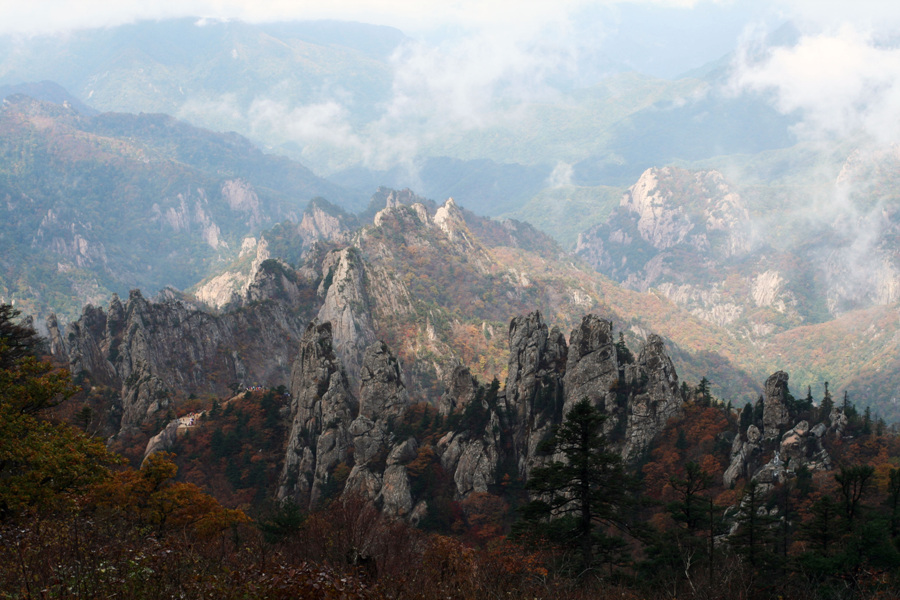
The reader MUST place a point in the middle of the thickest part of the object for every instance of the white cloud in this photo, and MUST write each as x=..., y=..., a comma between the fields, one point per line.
x=840, y=83
x=561, y=175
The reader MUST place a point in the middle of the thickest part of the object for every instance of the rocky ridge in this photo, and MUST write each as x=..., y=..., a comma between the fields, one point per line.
x=152, y=353
x=688, y=236
x=493, y=432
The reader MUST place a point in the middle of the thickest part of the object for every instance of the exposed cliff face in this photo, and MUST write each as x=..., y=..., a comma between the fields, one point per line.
x=324, y=221
x=494, y=433
x=534, y=387
x=775, y=411
x=382, y=393
x=346, y=305
x=322, y=408
x=157, y=352
x=687, y=235
x=654, y=399
x=330, y=429
x=592, y=370
x=321, y=222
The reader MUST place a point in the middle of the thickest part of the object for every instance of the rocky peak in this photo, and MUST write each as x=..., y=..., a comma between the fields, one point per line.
x=322, y=408
x=274, y=279
x=661, y=222
x=156, y=352
x=537, y=358
x=347, y=306
x=790, y=447
x=592, y=369
x=324, y=221
x=776, y=417
x=451, y=221
x=406, y=216
x=382, y=394
x=241, y=197
x=461, y=389
x=655, y=397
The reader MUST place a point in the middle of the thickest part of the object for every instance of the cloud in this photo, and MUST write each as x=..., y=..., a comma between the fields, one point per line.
x=841, y=83
x=561, y=175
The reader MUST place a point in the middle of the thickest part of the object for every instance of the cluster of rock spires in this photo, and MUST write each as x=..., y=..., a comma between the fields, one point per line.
x=546, y=377
x=348, y=390
x=791, y=443
x=149, y=353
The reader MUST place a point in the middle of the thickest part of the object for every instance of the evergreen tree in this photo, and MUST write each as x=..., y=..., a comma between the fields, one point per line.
x=822, y=529
x=854, y=483
x=827, y=405
x=704, y=396
x=583, y=494
x=17, y=340
x=753, y=535
x=623, y=354
x=690, y=508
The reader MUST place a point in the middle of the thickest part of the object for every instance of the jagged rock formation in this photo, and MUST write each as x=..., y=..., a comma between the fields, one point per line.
x=654, y=400
x=382, y=393
x=346, y=305
x=461, y=390
x=156, y=352
x=592, y=369
x=494, y=433
x=775, y=411
x=791, y=447
x=534, y=389
x=329, y=428
x=322, y=408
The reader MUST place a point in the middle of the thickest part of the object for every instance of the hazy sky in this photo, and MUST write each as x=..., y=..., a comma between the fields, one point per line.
x=41, y=16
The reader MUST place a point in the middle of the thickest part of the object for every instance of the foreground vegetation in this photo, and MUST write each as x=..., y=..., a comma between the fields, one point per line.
x=77, y=521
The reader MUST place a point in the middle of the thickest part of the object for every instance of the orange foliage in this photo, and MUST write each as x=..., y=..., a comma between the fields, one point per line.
x=697, y=428
x=150, y=497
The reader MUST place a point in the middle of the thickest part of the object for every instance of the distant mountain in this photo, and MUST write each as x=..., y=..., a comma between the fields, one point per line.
x=323, y=92
x=47, y=91
x=810, y=291
x=105, y=203
x=158, y=66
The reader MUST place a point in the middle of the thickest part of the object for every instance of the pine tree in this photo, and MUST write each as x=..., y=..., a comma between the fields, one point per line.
x=753, y=535
x=579, y=496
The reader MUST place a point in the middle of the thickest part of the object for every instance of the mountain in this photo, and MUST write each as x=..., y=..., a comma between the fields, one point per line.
x=103, y=203
x=160, y=66
x=438, y=285
x=358, y=102
x=800, y=289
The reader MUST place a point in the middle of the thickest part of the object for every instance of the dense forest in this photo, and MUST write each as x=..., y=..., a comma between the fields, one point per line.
x=78, y=520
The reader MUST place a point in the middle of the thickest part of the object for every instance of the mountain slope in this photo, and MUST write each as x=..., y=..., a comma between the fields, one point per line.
x=93, y=205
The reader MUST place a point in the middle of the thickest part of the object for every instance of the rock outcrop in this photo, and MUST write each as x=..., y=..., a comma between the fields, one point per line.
x=346, y=306
x=778, y=432
x=655, y=397
x=493, y=433
x=154, y=353
x=592, y=369
x=322, y=407
x=776, y=416
x=534, y=386
x=688, y=235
